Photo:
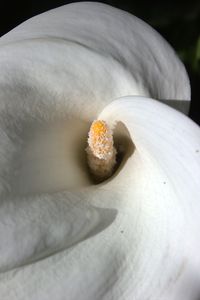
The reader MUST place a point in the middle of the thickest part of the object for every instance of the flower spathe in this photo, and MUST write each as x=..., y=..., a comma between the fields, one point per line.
x=134, y=236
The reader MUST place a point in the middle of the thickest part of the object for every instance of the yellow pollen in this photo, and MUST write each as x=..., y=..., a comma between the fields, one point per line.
x=100, y=140
x=98, y=128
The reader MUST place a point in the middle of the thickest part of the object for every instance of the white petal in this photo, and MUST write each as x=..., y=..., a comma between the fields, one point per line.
x=32, y=228
x=60, y=65
x=89, y=54
x=162, y=177
x=151, y=249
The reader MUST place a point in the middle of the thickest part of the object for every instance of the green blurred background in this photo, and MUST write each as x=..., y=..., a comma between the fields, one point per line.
x=178, y=23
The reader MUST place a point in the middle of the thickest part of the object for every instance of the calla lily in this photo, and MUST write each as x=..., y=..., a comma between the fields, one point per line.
x=135, y=235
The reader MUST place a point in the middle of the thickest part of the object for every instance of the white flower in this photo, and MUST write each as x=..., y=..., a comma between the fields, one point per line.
x=134, y=236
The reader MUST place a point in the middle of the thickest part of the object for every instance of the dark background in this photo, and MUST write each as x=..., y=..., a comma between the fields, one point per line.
x=178, y=23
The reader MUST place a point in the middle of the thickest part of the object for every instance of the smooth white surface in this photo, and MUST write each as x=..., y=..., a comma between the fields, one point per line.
x=135, y=236
x=94, y=50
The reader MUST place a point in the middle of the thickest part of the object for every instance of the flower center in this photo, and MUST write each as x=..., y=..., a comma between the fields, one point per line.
x=50, y=156
x=101, y=153
x=100, y=140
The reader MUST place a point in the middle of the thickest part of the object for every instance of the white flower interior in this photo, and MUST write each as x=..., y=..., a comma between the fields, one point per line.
x=51, y=158
x=59, y=72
